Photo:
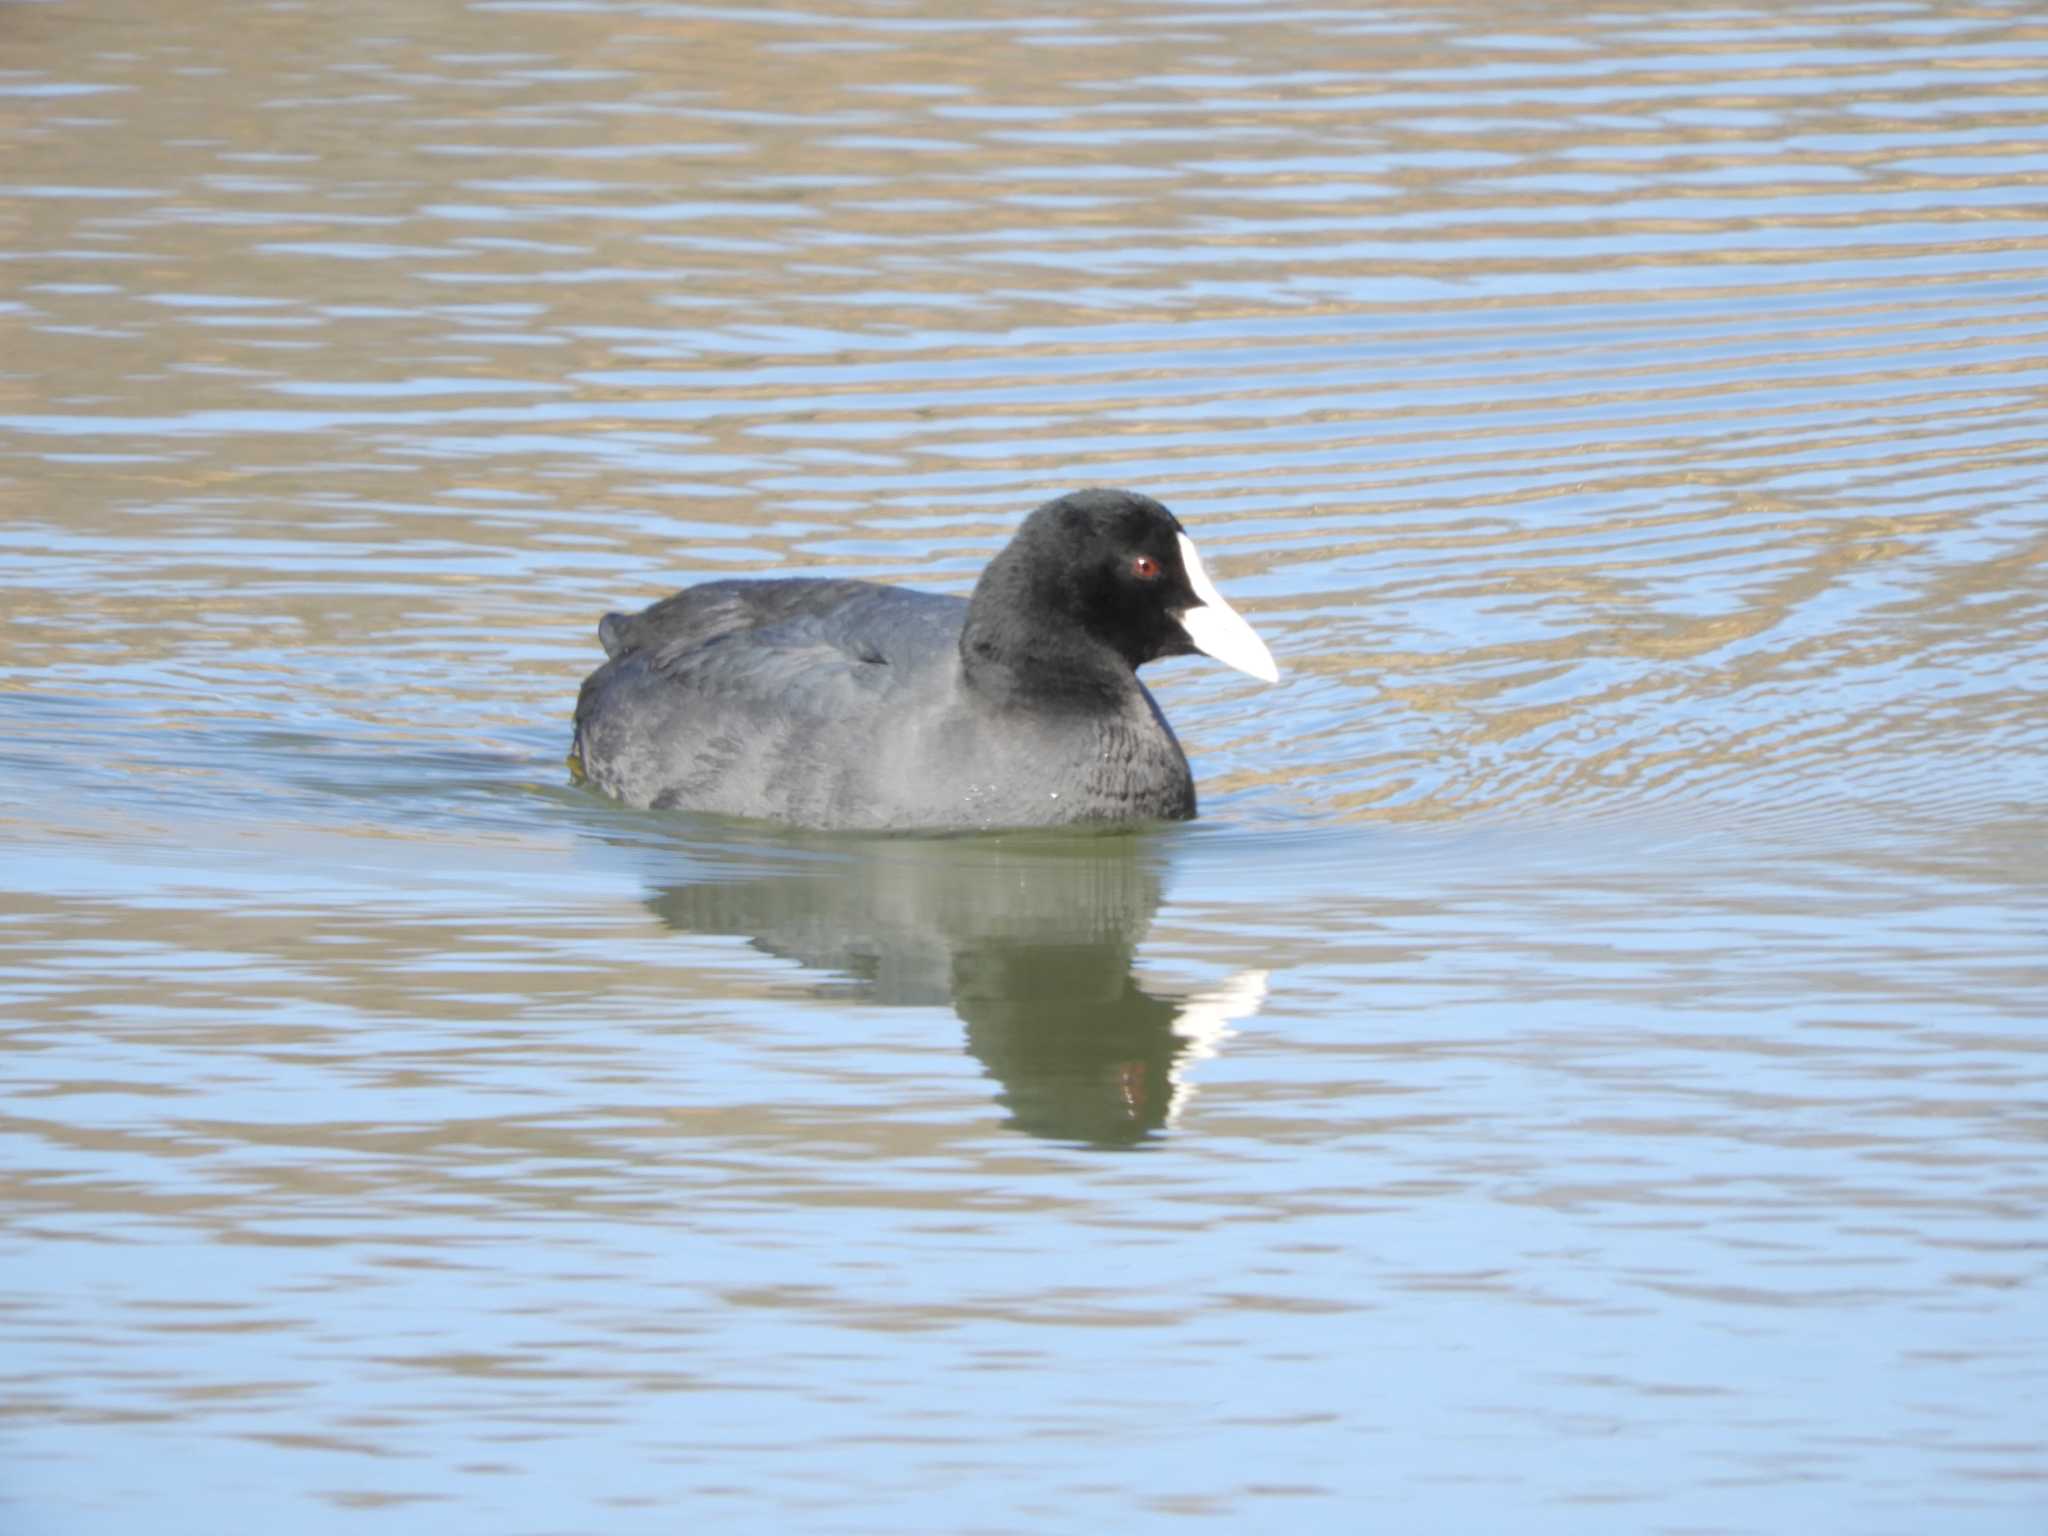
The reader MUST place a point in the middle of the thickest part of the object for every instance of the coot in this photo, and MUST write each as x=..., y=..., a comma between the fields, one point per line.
x=845, y=705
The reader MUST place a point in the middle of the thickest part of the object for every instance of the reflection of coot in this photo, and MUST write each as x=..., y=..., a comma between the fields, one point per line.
x=1029, y=939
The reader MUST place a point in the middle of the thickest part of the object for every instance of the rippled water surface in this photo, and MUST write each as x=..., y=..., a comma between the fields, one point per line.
x=1586, y=1070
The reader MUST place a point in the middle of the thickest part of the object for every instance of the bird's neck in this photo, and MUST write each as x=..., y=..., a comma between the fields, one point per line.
x=1021, y=646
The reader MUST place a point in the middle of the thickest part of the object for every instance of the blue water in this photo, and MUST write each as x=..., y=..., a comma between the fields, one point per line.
x=1582, y=1073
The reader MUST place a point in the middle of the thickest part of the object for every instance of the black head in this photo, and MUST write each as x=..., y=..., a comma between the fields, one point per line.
x=1096, y=574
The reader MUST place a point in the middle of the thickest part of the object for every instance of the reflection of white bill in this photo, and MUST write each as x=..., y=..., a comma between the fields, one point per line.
x=1204, y=1023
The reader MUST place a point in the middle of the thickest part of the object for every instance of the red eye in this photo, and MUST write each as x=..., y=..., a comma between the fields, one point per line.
x=1144, y=567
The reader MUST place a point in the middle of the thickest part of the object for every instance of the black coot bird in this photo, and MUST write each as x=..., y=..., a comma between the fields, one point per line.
x=845, y=705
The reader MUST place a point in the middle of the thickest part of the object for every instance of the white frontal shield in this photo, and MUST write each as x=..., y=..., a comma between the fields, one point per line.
x=1215, y=626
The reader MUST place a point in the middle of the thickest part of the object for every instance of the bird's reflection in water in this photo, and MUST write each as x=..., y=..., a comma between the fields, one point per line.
x=1029, y=938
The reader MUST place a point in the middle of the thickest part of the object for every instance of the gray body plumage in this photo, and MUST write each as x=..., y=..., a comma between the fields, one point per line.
x=849, y=705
